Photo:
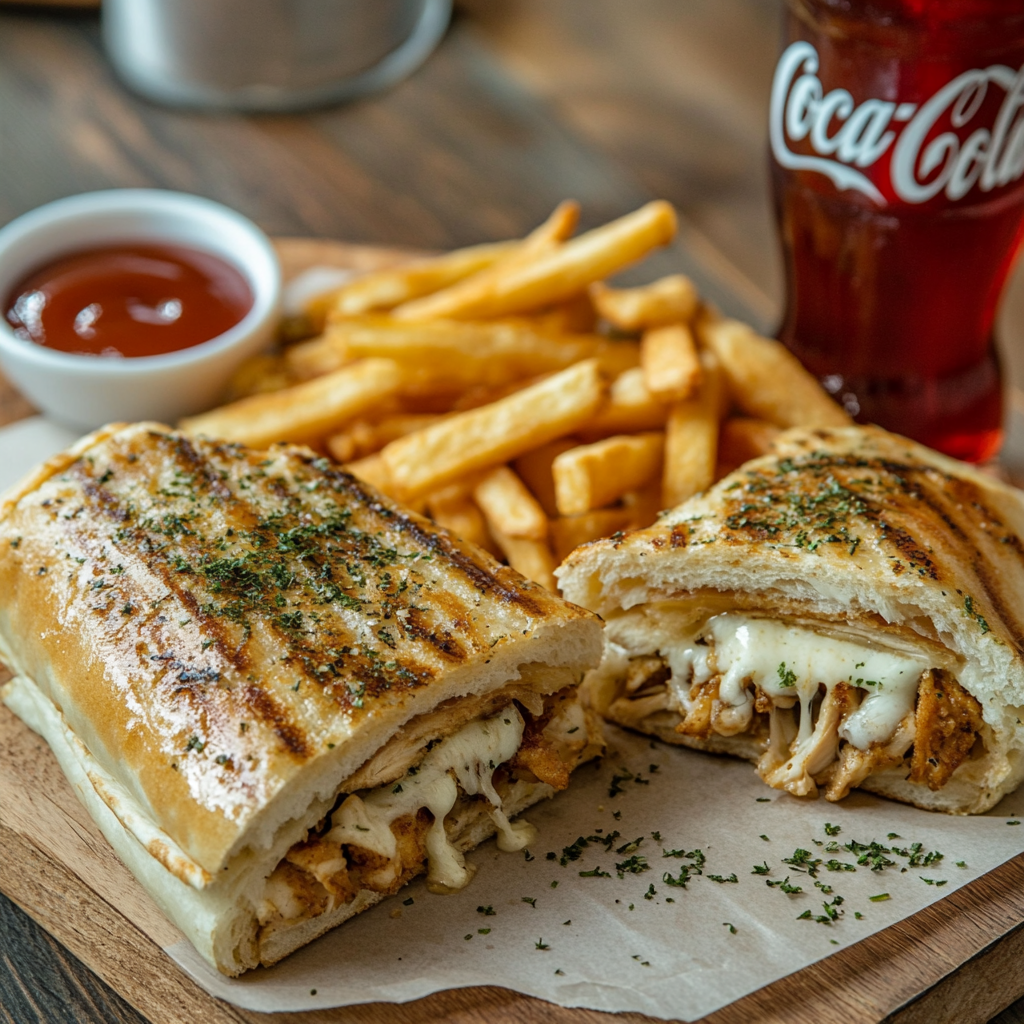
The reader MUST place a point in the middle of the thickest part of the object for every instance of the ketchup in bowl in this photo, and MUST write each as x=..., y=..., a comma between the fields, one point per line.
x=129, y=300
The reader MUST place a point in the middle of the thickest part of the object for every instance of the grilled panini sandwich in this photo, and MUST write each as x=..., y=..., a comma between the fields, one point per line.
x=847, y=611
x=280, y=696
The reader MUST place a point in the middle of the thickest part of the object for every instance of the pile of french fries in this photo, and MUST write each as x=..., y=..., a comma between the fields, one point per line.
x=511, y=394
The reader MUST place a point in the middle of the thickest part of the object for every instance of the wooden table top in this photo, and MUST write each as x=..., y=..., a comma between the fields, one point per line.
x=526, y=102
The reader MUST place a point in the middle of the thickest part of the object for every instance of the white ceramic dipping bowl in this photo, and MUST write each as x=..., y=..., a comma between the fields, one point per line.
x=85, y=391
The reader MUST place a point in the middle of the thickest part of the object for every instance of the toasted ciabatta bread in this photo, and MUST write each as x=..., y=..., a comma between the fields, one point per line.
x=847, y=611
x=280, y=695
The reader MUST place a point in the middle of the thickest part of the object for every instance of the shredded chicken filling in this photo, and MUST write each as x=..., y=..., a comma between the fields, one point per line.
x=828, y=710
x=381, y=838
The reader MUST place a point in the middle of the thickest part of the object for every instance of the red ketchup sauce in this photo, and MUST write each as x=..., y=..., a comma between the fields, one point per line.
x=128, y=300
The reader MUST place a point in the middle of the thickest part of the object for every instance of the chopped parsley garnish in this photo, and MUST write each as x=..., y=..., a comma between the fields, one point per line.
x=787, y=677
x=487, y=911
x=532, y=900
x=802, y=860
x=731, y=927
x=722, y=878
x=832, y=830
x=761, y=869
x=541, y=944
x=873, y=854
x=838, y=865
x=633, y=865
x=790, y=890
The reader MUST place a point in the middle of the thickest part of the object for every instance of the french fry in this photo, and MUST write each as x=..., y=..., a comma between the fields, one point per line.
x=630, y=408
x=352, y=443
x=558, y=227
x=259, y=375
x=462, y=354
x=595, y=475
x=742, y=439
x=554, y=276
x=305, y=411
x=643, y=505
x=371, y=470
x=362, y=438
x=314, y=358
x=668, y=357
x=569, y=532
x=483, y=394
x=460, y=515
x=691, y=439
x=574, y=316
x=534, y=468
x=671, y=300
x=509, y=507
x=496, y=433
x=383, y=289
x=533, y=558
x=766, y=380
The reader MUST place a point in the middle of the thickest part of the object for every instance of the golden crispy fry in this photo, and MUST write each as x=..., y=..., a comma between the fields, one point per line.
x=483, y=394
x=691, y=439
x=495, y=433
x=383, y=289
x=363, y=438
x=594, y=475
x=533, y=558
x=766, y=380
x=574, y=316
x=459, y=514
x=742, y=439
x=371, y=470
x=569, y=532
x=630, y=408
x=352, y=443
x=554, y=276
x=534, y=468
x=461, y=354
x=509, y=507
x=643, y=505
x=558, y=227
x=304, y=411
x=314, y=358
x=259, y=375
x=671, y=300
x=668, y=357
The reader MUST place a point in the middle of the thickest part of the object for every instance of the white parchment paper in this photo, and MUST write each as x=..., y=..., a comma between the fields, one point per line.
x=633, y=942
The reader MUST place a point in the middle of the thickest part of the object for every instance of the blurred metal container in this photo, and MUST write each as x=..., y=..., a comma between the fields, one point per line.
x=268, y=55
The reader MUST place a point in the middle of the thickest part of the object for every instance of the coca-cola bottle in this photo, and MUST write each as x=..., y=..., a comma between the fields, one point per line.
x=897, y=140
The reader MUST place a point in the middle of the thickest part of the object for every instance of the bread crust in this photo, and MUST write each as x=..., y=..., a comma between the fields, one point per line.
x=851, y=524
x=230, y=634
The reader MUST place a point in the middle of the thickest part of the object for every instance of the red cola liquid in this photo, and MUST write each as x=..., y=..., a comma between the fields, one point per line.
x=898, y=172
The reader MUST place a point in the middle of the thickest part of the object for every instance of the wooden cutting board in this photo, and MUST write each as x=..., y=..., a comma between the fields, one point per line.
x=961, y=960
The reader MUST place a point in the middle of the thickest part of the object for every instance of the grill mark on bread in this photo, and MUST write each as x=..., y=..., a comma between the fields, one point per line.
x=480, y=573
x=185, y=452
x=270, y=713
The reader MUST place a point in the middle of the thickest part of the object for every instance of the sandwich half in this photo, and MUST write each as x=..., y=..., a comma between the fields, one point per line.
x=280, y=695
x=846, y=611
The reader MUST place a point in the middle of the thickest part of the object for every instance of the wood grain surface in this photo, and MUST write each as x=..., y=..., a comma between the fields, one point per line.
x=525, y=102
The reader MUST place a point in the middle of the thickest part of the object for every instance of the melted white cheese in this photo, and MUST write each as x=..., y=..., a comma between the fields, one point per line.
x=788, y=663
x=470, y=756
